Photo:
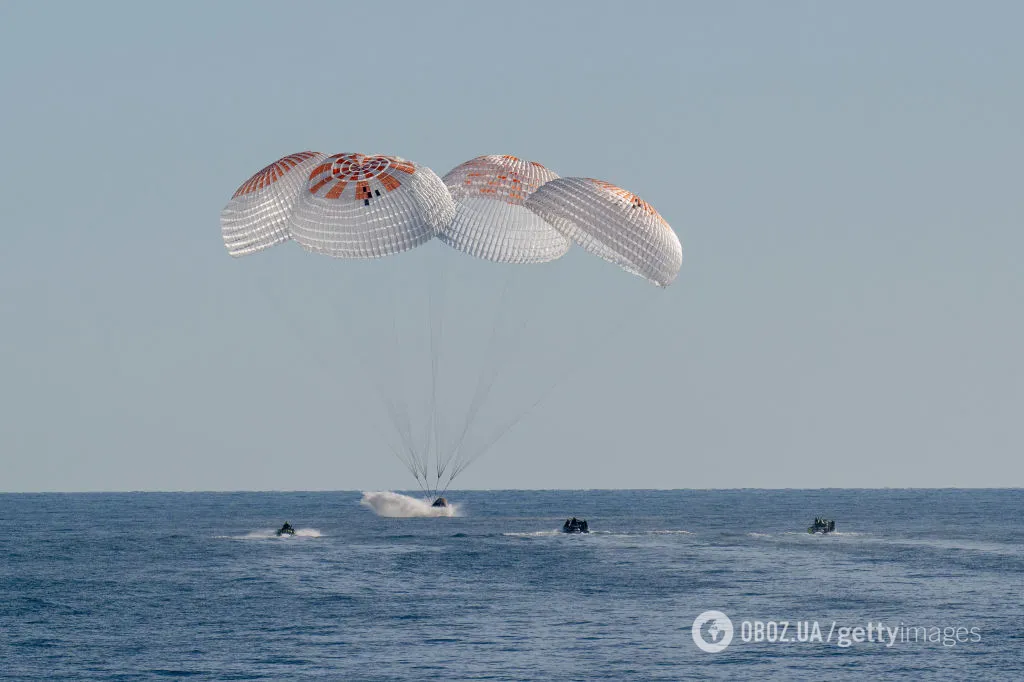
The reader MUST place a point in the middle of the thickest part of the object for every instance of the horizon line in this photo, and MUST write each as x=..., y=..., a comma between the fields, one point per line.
x=491, y=490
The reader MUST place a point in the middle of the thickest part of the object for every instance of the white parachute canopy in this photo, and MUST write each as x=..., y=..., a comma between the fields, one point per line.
x=612, y=223
x=360, y=206
x=257, y=215
x=490, y=220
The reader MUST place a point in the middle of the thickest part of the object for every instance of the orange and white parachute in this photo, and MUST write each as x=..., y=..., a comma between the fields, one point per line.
x=612, y=223
x=490, y=219
x=360, y=206
x=344, y=206
x=258, y=214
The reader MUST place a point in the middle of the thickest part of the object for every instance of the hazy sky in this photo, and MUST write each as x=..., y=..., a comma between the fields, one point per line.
x=845, y=180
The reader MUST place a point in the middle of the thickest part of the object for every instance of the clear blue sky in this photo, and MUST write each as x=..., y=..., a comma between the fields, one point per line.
x=845, y=179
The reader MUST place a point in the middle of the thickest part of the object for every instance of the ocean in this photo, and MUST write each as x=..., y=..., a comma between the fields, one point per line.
x=136, y=586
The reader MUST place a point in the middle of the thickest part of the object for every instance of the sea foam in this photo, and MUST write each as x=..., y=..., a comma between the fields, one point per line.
x=396, y=505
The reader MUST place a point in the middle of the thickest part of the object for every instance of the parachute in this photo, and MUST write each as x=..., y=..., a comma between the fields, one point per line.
x=491, y=221
x=257, y=216
x=612, y=223
x=359, y=206
x=516, y=219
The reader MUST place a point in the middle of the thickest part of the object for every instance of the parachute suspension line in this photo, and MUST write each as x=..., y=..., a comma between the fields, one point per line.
x=431, y=425
x=460, y=461
x=571, y=370
x=398, y=403
x=410, y=458
x=400, y=410
x=291, y=326
x=436, y=345
x=397, y=411
x=488, y=375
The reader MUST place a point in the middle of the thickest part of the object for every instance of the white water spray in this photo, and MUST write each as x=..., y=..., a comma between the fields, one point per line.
x=398, y=506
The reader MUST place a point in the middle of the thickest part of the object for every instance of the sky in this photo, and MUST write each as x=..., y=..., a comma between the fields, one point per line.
x=845, y=180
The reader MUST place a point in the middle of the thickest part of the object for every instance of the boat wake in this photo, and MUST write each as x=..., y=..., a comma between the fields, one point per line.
x=398, y=506
x=534, y=534
x=271, y=534
x=608, y=533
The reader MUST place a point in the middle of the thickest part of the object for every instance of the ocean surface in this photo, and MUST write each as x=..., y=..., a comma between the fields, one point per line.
x=139, y=586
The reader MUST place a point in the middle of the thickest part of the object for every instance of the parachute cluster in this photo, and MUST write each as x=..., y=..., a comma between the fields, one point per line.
x=497, y=208
x=493, y=208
